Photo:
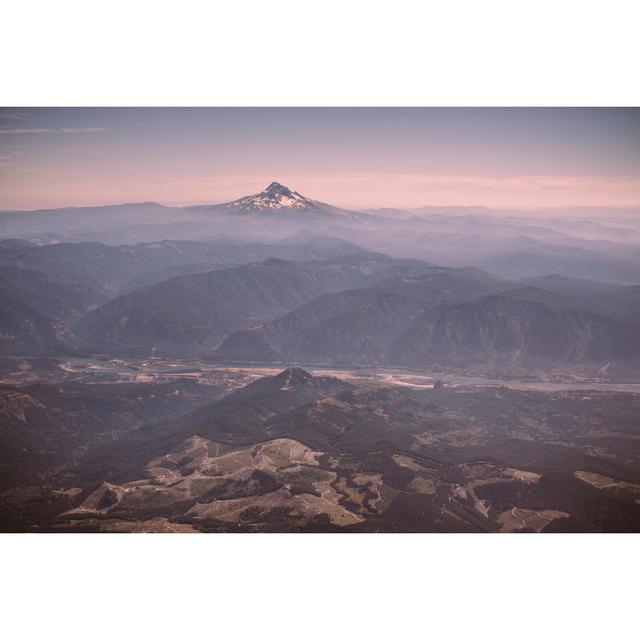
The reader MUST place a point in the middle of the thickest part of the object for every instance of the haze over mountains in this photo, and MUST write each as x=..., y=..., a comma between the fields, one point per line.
x=155, y=368
x=279, y=277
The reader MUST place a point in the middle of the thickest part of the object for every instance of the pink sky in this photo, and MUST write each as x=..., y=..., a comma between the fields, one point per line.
x=354, y=158
x=358, y=191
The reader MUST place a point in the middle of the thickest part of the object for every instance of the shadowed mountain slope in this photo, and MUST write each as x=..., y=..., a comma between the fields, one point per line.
x=192, y=314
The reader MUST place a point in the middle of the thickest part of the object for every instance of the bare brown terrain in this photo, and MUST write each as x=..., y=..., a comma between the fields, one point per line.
x=299, y=452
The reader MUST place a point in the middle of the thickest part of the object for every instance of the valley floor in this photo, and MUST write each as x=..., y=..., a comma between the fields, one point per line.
x=107, y=369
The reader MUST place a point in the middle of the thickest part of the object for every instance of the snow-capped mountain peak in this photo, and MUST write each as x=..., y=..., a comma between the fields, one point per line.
x=275, y=197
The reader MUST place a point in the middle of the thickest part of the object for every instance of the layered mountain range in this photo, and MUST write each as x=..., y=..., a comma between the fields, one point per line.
x=601, y=245
x=280, y=277
x=275, y=363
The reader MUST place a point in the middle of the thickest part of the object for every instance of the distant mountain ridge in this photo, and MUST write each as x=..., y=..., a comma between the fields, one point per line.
x=457, y=319
x=132, y=223
x=510, y=334
x=193, y=314
x=279, y=201
x=356, y=326
x=275, y=197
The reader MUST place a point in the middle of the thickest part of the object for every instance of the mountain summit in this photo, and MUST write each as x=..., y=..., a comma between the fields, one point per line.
x=275, y=197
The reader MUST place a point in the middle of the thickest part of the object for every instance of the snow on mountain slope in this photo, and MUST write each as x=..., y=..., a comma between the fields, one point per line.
x=275, y=196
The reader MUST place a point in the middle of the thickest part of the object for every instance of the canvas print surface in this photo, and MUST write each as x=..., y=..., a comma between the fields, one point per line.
x=319, y=320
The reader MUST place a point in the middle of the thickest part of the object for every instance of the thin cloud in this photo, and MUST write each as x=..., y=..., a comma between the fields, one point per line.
x=14, y=132
x=85, y=130
x=15, y=115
